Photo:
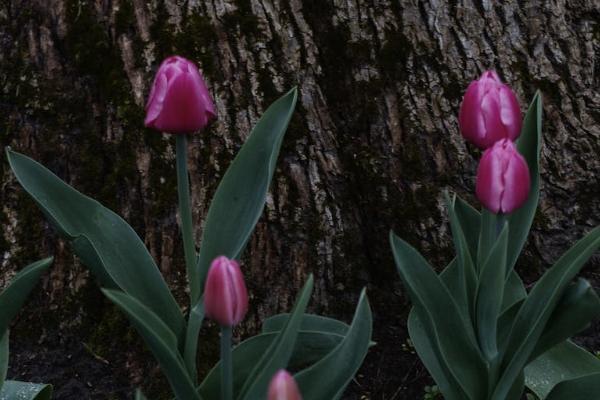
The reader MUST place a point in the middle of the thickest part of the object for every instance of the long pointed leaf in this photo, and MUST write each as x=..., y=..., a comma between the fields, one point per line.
x=240, y=197
x=341, y=364
x=538, y=307
x=489, y=296
x=439, y=311
x=529, y=145
x=280, y=352
x=578, y=307
x=310, y=322
x=310, y=347
x=161, y=341
x=466, y=269
x=13, y=297
x=430, y=354
x=583, y=388
x=103, y=240
x=15, y=390
x=3, y=357
x=195, y=320
x=564, y=362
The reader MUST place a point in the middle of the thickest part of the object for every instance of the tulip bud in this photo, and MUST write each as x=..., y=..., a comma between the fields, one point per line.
x=489, y=112
x=502, y=178
x=225, y=294
x=283, y=387
x=179, y=101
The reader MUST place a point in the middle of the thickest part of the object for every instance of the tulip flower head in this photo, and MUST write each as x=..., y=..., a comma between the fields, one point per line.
x=179, y=101
x=225, y=294
x=489, y=112
x=283, y=387
x=503, y=179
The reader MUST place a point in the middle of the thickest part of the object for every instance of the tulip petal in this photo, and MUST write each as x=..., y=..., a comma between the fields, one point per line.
x=179, y=100
x=225, y=294
x=490, y=109
x=157, y=97
x=517, y=183
x=510, y=113
x=490, y=185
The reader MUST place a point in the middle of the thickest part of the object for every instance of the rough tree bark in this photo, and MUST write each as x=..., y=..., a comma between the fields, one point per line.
x=372, y=145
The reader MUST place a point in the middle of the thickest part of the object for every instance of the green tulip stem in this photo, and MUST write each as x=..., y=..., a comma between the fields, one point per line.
x=226, y=364
x=185, y=213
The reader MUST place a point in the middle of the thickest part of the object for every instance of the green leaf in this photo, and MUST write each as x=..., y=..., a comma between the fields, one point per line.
x=15, y=390
x=578, y=307
x=310, y=347
x=514, y=291
x=537, y=309
x=487, y=236
x=583, y=388
x=240, y=197
x=565, y=362
x=139, y=395
x=341, y=364
x=3, y=357
x=470, y=221
x=430, y=354
x=13, y=297
x=280, y=351
x=489, y=296
x=161, y=341
x=465, y=296
x=529, y=145
x=191, y=338
x=102, y=239
x=310, y=322
x=439, y=313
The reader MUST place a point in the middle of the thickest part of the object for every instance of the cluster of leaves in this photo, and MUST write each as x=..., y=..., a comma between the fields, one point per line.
x=477, y=330
x=309, y=345
x=11, y=300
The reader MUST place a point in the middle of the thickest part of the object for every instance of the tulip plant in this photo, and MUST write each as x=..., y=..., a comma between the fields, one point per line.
x=11, y=300
x=480, y=334
x=310, y=346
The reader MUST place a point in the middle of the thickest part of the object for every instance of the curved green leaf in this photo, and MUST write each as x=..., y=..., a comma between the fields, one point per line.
x=489, y=296
x=578, y=307
x=441, y=316
x=280, y=351
x=583, y=388
x=195, y=320
x=537, y=309
x=465, y=296
x=310, y=347
x=341, y=364
x=13, y=297
x=240, y=197
x=103, y=240
x=487, y=235
x=470, y=221
x=310, y=322
x=431, y=356
x=529, y=145
x=565, y=362
x=15, y=390
x=161, y=341
x=139, y=395
x=3, y=357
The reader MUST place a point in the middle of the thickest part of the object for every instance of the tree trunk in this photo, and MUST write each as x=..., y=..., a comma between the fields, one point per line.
x=372, y=146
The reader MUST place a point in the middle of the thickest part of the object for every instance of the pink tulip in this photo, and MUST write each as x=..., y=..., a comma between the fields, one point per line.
x=283, y=387
x=502, y=178
x=225, y=294
x=489, y=112
x=179, y=101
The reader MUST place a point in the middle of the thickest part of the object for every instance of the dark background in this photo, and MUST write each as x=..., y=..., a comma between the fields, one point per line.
x=372, y=145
